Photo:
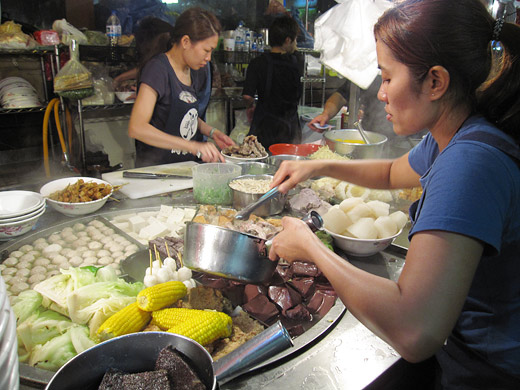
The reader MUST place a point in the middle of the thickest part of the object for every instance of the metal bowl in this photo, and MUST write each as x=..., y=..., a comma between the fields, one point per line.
x=227, y=253
x=256, y=168
x=361, y=247
x=242, y=199
x=338, y=141
x=277, y=159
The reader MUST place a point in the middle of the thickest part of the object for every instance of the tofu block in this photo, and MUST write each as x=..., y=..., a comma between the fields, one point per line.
x=153, y=231
x=137, y=223
x=165, y=211
x=189, y=214
x=176, y=216
x=124, y=226
x=123, y=217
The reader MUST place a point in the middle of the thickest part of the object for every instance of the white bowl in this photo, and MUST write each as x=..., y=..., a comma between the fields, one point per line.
x=23, y=217
x=19, y=203
x=235, y=160
x=361, y=247
x=73, y=209
x=124, y=96
x=17, y=228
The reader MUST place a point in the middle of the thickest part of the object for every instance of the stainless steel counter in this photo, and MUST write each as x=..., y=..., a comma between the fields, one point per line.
x=345, y=356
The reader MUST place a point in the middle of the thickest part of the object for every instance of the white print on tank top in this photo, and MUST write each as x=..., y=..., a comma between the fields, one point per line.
x=187, y=97
x=189, y=124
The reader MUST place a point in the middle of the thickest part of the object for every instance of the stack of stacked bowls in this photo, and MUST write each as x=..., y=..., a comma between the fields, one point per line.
x=9, y=376
x=19, y=212
x=16, y=92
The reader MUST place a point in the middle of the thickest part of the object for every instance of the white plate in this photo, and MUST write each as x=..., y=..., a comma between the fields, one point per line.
x=4, y=315
x=23, y=217
x=8, y=342
x=18, y=203
x=325, y=127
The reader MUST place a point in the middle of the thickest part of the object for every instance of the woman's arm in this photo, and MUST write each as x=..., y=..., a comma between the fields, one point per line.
x=414, y=315
x=140, y=128
x=384, y=174
x=331, y=108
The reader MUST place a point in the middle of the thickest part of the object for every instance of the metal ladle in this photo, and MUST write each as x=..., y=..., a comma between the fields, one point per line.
x=362, y=132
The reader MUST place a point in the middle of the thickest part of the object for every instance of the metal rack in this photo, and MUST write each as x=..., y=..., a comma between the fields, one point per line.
x=306, y=79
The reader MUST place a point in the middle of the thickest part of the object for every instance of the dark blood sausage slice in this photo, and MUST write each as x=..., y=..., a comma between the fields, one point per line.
x=285, y=297
x=321, y=303
x=180, y=374
x=261, y=308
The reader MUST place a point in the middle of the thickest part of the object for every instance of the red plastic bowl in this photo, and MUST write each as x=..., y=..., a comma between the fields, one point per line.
x=294, y=149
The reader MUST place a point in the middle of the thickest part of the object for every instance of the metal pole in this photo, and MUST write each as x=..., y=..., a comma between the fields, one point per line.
x=82, y=139
x=353, y=105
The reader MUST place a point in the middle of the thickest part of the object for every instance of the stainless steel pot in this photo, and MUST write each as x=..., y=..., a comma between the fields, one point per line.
x=137, y=352
x=231, y=254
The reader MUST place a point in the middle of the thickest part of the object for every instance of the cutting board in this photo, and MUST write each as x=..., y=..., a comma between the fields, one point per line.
x=141, y=188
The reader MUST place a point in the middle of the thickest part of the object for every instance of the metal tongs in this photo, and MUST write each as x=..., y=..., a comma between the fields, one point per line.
x=246, y=211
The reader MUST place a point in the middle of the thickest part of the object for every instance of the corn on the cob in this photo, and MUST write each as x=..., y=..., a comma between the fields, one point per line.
x=161, y=295
x=130, y=319
x=205, y=327
x=166, y=318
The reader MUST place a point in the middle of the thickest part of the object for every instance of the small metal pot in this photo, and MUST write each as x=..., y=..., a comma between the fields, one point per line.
x=137, y=352
x=230, y=254
x=337, y=141
x=241, y=199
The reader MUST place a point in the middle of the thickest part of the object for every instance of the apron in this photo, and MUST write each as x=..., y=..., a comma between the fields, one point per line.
x=466, y=368
x=269, y=127
x=182, y=122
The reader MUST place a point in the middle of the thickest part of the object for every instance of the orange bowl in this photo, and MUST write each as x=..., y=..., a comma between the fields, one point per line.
x=293, y=149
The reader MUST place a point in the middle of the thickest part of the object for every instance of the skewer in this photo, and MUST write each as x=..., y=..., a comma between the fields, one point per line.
x=151, y=261
x=157, y=255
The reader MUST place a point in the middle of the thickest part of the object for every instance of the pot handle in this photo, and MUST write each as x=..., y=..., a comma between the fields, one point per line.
x=263, y=346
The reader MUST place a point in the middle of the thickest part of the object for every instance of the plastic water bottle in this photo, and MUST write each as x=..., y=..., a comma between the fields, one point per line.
x=113, y=34
x=247, y=45
x=240, y=37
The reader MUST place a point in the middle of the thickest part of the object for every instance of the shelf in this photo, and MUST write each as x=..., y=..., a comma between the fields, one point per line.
x=40, y=50
x=96, y=107
x=21, y=110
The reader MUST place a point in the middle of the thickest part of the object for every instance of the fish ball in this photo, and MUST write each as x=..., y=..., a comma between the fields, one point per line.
x=184, y=273
x=349, y=203
x=41, y=246
x=17, y=288
x=53, y=248
x=36, y=278
x=24, y=264
x=78, y=227
x=11, y=261
x=59, y=260
x=336, y=220
x=39, y=269
x=40, y=240
x=70, y=238
x=42, y=261
x=75, y=261
x=26, y=248
x=103, y=253
x=170, y=263
x=52, y=273
x=163, y=275
x=67, y=252
x=88, y=253
x=54, y=237
x=400, y=219
x=94, y=245
x=150, y=280
x=106, y=240
x=35, y=253
x=363, y=228
x=66, y=231
x=116, y=248
x=7, y=278
x=108, y=231
x=379, y=209
x=386, y=226
x=131, y=247
x=79, y=243
x=23, y=272
x=16, y=254
x=81, y=249
x=189, y=283
x=89, y=261
x=360, y=211
x=82, y=234
x=27, y=258
x=92, y=230
x=9, y=271
x=106, y=260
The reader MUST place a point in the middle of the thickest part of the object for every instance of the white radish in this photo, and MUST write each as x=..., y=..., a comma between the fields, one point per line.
x=363, y=228
x=336, y=220
x=386, y=226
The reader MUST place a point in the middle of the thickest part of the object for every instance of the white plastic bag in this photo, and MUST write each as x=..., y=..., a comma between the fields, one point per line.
x=344, y=34
x=68, y=32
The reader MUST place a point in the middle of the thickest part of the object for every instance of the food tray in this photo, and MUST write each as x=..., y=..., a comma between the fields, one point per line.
x=36, y=377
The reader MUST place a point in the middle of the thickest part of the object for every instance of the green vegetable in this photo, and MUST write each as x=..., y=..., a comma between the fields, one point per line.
x=221, y=195
x=77, y=94
x=326, y=238
x=42, y=327
x=26, y=303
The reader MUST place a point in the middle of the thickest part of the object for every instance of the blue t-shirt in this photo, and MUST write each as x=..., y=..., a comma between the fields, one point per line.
x=473, y=189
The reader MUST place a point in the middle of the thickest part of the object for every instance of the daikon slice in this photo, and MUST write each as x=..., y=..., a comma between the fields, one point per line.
x=399, y=218
x=336, y=220
x=363, y=228
x=341, y=190
x=360, y=211
x=386, y=226
x=354, y=191
x=349, y=203
x=379, y=208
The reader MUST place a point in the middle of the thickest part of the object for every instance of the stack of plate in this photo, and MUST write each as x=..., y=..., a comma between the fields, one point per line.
x=9, y=376
x=16, y=92
x=19, y=212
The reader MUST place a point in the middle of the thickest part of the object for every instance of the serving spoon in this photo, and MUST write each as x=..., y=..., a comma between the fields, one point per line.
x=362, y=132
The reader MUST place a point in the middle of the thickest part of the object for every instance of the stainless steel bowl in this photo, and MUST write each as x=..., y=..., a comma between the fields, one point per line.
x=257, y=168
x=242, y=199
x=337, y=141
x=277, y=159
x=227, y=253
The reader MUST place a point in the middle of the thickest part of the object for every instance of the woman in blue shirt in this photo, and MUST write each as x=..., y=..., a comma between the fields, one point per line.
x=458, y=296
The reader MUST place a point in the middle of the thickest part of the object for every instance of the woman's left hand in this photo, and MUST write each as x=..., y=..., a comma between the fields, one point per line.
x=222, y=140
x=295, y=242
x=208, y=152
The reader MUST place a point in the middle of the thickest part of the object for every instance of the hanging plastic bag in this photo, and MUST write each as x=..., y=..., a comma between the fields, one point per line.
x=68, y=32
x=74, y=81
x=344, y=34
x=241, y=128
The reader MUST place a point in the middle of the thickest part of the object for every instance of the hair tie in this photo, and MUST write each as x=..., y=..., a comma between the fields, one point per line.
x=497, y=29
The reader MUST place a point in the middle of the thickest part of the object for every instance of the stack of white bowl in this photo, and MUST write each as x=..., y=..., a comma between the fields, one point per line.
x=19, y=212
x=16, y=92
x=9, y=376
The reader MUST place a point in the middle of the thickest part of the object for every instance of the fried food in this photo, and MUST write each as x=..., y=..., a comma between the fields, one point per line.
x=81, y=191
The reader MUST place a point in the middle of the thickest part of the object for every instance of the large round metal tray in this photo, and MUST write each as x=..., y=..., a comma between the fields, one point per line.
x=36, y=377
